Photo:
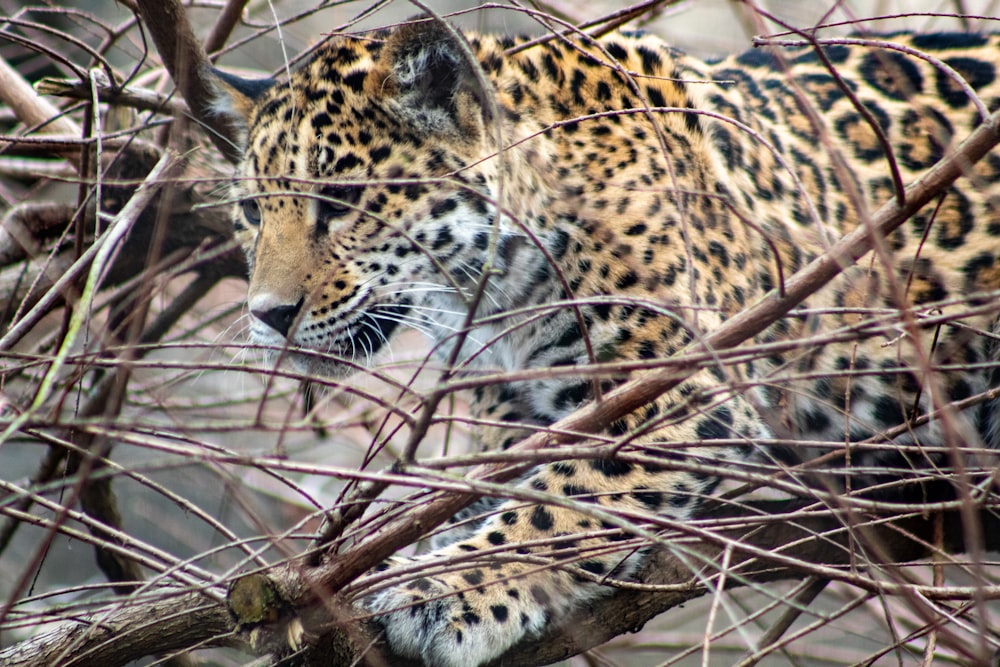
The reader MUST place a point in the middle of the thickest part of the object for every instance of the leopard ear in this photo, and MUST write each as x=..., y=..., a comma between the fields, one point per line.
x=429, y=72
x=235, y=98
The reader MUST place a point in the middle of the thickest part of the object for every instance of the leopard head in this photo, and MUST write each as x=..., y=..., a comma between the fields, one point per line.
x=367, y=198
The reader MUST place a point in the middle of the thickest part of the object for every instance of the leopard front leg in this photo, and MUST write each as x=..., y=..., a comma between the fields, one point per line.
x=520, y=571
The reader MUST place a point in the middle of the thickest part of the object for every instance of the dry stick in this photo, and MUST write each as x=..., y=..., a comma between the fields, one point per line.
x=230, y=15
x=139, y=630
x=97, y=498
x=135, y=98
x=813, y=587
x=23, y=227
x=29, y=108
x=170, y=315
x=168, y=168
x=637, y=393
x=34, y=111
x=155, y=331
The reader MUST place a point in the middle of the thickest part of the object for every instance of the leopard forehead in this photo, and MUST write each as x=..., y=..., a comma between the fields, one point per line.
x=355, y=103
x=320, y=124
x=346, y=113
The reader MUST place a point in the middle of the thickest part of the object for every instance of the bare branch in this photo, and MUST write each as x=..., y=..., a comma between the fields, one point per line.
x=189, y=67
x=30, y=108
x=126, y=632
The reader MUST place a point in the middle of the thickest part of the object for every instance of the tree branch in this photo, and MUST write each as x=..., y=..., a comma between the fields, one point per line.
x=127, y=631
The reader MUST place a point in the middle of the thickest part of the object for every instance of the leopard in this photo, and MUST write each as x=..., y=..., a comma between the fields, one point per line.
x=561, y=216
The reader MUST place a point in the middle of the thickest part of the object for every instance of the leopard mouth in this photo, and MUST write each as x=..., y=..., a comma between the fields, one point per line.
x=347, y=349
x=373, y=328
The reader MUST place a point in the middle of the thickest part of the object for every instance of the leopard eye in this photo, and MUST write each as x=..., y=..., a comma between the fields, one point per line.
x=251, y=211
x=336, y=201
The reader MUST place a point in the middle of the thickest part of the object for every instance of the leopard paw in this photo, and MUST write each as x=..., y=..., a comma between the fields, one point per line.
x=453, y=620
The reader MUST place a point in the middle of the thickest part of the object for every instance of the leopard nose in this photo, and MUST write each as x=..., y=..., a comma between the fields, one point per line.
x=279, y=317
